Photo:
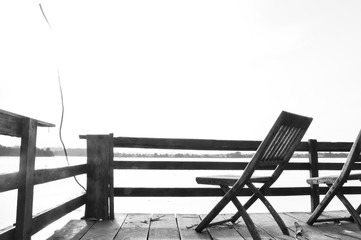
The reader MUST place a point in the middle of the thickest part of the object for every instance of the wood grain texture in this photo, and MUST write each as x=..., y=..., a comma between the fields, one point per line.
x=98, y=179
x=267, y=224
x=45, y=218
x=105, y=230
x=9, y=181
x=7, y=233
x=222, y=232
x=324, y=231
x=242, y=229
x=163, y=226
x=11, y=123
x=135, y=227
x=186, y=226
x=73, y=230
x=48, y=175
x=26, y=175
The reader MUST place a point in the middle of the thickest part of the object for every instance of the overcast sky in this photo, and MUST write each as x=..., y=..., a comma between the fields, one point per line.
x=182, y=69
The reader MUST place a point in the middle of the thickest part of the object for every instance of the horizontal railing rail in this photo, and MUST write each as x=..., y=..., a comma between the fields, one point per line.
x=100, y=166
x=41, y=220
x=27, y=177
x=313, y=166
x=11, y=181
x=218, y=145
x=197, y=165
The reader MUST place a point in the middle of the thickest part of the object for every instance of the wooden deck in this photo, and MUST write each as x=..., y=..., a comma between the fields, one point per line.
x=181, y=226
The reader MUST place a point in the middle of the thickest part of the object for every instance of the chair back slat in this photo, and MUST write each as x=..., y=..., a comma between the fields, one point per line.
x=282, y=145
x=295, y=132
x=279, y=145
x=286, y=137
x=275, y=144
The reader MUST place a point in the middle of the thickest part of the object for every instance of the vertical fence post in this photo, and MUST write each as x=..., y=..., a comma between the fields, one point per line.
x=99, y=177
x=313, y=159
x=111, y=176
x=24, y=211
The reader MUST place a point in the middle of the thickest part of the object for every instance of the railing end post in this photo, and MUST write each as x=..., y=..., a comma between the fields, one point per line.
x=314, y=170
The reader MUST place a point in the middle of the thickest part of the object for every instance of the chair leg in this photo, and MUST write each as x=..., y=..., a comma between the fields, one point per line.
x=270, y=208
x=355, y=215
x=319, y=209
x=250, y=201
x=242, y=212
x=215, y=211
x=358, y=210
x=235, y=217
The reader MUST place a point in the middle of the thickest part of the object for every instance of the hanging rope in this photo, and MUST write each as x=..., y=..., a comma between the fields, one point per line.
x=62, y=105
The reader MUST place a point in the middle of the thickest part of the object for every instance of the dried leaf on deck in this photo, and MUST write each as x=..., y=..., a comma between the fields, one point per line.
x=157, y=218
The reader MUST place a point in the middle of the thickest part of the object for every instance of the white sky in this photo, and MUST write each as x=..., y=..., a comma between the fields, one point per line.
x=182, y=69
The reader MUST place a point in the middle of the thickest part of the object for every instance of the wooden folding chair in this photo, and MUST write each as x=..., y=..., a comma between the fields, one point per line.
x=275, y=151
x=335, y=184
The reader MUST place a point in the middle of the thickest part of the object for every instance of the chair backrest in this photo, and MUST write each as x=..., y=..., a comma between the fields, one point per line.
x=280, y=143
x=352, y=157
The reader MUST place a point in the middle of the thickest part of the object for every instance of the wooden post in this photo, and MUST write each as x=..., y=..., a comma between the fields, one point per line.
x=99, y=202
x=26, y=173
x=111, y=176
x=313, y=159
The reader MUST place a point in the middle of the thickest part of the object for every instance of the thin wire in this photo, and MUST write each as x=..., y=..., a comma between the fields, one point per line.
x=62, y=106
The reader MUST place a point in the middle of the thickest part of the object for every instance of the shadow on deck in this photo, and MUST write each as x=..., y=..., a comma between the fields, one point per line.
x=181, y=226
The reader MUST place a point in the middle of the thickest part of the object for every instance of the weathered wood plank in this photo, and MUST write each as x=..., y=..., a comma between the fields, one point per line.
x=73, y=230
x=308, y=231
x=135, y=227
x=210, y=144
x=222, y=232
x=269, y=225
x=210, y=192
x=186, y=226
x=10, y=123
x=45, y=218
x=111, y=175
x=195, y=144
x=348, y=228
x=163, y=226
x=313, y=159
x=242, y=229
x=98, y=180
x=198, y=165
x=26, y=175
x=105, y=230
x=322, y=231
x=48, y=175
x=7, y=233
x=194, y=165
x=9, y=181
x=201, y=192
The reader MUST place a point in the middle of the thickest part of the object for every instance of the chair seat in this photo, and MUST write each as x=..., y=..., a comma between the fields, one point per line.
x=228, y=180
x=332, y=179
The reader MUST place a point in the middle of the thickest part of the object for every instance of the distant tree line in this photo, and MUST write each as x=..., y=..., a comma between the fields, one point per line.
x=79, y=152
x=15, y=151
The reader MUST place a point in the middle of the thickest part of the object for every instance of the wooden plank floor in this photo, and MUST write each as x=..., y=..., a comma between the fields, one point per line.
x=181, y=227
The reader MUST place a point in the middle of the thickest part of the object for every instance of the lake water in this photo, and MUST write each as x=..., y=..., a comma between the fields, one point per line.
x=51, y=194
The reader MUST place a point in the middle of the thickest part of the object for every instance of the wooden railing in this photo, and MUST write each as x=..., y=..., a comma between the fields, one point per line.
x=100, y=166
x=27, y=177
x=106, y=144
